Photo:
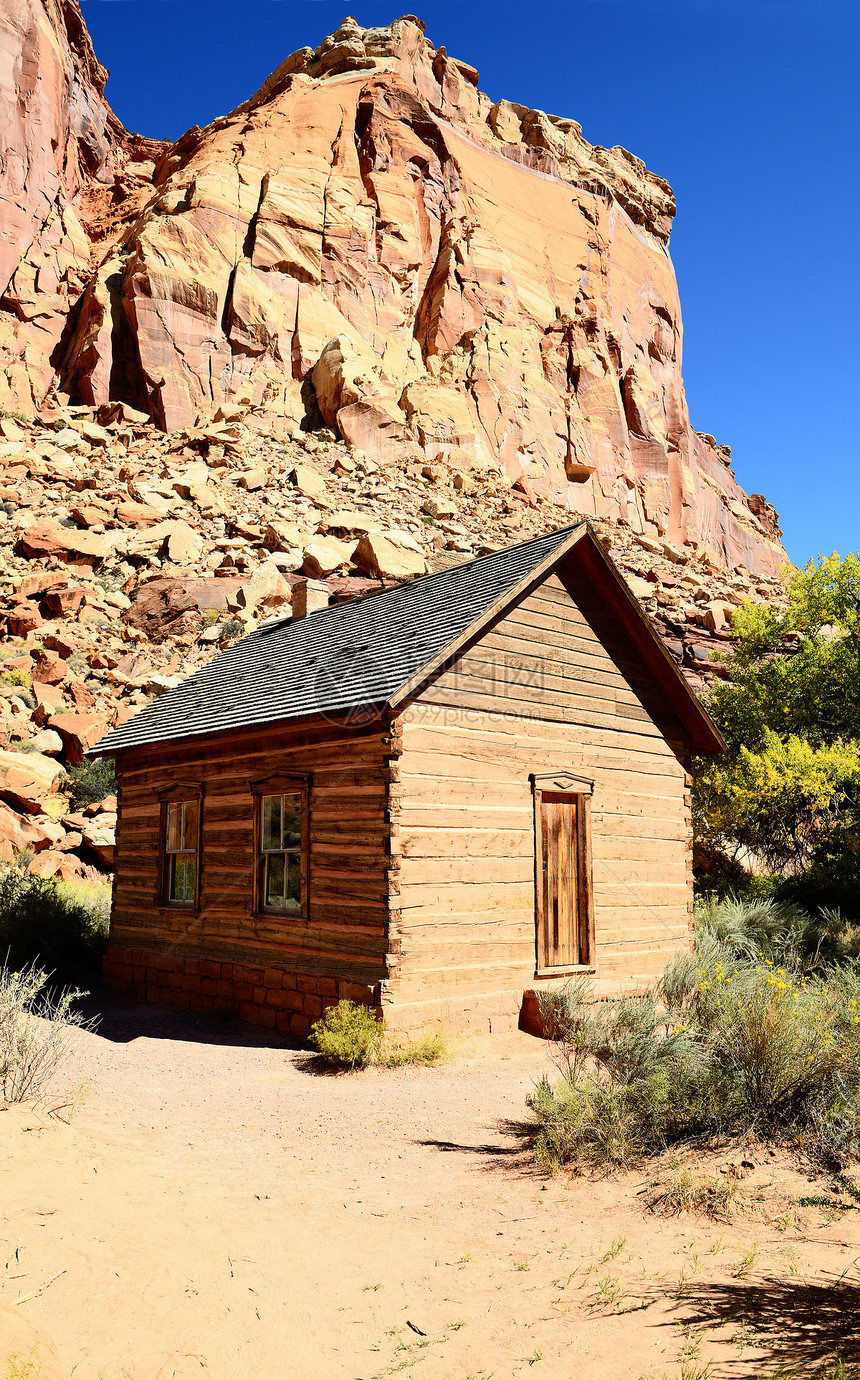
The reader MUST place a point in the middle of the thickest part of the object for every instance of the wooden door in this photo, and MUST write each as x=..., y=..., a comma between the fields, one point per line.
x=559, y=925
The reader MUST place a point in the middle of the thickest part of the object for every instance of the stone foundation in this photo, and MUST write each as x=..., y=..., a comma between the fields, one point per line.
x=267, y=997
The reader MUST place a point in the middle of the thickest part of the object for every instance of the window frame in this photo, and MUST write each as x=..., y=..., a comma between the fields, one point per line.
x=280, y=783
x=179, y=793
x=579, y=787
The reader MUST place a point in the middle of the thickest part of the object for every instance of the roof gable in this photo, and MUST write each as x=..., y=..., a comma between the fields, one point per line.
x=379, y=650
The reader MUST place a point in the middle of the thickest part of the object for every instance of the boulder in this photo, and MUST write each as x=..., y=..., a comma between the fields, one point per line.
x=266, y=589
x=48, y=540
x=308, y=482
x=392, y=553
x=28, y=779
x=175, y=607
x=283, y=536
x=99, y=835
x=17, y=834
x=324, y=555
x=78, y=732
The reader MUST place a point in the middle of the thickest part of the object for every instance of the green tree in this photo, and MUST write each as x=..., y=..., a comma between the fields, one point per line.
x=788, y=788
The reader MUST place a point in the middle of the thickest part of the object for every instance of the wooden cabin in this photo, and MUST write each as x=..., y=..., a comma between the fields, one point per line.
x=437, y=800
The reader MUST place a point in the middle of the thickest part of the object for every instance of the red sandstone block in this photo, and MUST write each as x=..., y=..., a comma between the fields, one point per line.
x=138, y=972
x=283, y=1018
x=252, y=975
x=198, y=1003
x=243, y=991
x=272, y=977
x=208, y=986
x=249, y=1012
x=123, y=972
x=286, y=1001
x=327, y=987
x=306, y=983
x=152, y=994
x=313, y=1005
x=209, y=969
x=260, y=995
x=299, y=1026
x=355, y=991
x=226, y=987
x=180, y=999
x=191, y=983
x=172, y=980
x=267, y=1018
x=289, y=980
x=191, y=965
x=161, y=962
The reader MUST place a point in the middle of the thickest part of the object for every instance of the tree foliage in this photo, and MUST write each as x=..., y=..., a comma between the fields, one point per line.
x=788, y=788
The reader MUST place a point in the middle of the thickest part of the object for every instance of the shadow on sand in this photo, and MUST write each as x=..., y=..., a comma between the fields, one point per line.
x=800, y=1324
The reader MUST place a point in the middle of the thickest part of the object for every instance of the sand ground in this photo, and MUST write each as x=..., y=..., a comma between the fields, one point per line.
x=219, y=1208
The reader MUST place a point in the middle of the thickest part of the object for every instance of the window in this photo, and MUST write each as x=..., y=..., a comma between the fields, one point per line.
x=564, y=906
x=281, y=850
x=181, y=845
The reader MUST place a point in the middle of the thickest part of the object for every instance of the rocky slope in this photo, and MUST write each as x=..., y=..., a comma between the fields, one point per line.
x=130, y=556
x=369, y=244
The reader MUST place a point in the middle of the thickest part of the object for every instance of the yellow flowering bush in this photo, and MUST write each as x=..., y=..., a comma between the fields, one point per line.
x=729, y=1041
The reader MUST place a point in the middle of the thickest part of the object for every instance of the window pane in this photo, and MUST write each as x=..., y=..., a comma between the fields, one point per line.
x=275, y=880
x=177, y=877
x=271, y=822
x=294, y=881
x=174, y=826
x=189, y=837
x=190, y=876
x=292, y=808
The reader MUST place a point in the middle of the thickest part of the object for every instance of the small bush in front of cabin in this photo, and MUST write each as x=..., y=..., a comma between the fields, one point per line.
x=351, y=1036
x=732, y=1041
x=61, y=926
x=92, y=782
x=34, y=1032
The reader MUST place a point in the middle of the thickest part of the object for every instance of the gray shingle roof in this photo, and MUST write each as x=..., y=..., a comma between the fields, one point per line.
x=340, y=658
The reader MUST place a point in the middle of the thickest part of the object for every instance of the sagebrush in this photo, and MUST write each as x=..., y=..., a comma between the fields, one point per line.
x=755, y=1032
x=351, y=1036
x=61, y=926
x=35, y=1023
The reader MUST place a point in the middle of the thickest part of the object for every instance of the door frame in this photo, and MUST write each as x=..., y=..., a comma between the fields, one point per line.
x=566, y=783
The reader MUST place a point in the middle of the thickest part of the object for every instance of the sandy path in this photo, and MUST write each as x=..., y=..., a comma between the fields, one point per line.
x=217, y=1208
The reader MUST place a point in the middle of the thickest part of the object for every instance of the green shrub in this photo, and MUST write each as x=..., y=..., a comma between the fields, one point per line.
x=34, y=1029
x=15, y=676
x=92, y=781
x=731, y=1041
x=233, y=628
x=62, y=926
x=351, y=1036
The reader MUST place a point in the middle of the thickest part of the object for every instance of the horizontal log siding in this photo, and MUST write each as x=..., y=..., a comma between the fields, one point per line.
x=344, y=937
x=544, y=690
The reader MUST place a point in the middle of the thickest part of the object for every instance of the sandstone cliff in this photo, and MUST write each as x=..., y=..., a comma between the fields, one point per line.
x=370, y=244
x=70, y=178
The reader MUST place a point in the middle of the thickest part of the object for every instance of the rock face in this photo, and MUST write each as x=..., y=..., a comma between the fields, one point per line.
x=70, y=178
x=369, y=244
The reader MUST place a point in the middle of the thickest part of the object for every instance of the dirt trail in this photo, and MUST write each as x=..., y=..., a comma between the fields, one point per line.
x=218, y=1208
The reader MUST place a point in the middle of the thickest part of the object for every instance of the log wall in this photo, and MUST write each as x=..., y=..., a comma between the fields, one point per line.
x=553, y=686
x=339, y=949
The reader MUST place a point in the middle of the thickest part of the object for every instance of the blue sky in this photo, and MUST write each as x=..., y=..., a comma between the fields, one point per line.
x=748, y=107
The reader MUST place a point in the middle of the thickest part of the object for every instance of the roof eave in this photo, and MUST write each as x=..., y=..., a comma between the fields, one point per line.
x=706, y=740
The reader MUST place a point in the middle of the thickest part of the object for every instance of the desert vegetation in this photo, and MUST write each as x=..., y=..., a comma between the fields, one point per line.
x=350, y=1036
x=60, y=926
x=35, y=1023
x=777, y=814
x=754, y=1035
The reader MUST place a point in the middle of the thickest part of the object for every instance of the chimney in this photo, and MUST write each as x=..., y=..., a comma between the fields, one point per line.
x=309, y=596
